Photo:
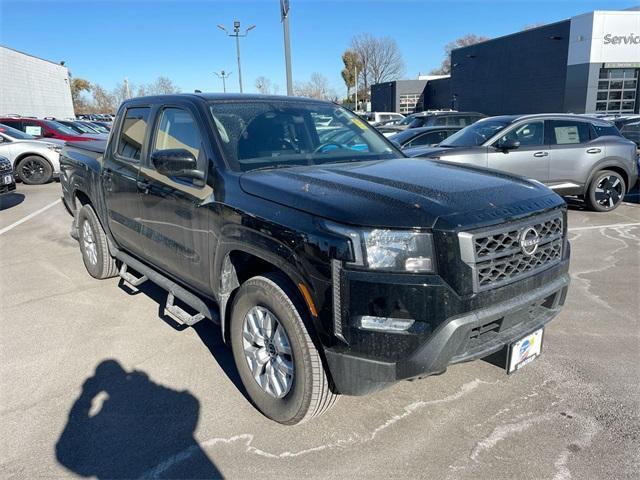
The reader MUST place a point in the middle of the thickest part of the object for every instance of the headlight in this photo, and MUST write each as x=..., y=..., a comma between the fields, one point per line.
x=389, y=250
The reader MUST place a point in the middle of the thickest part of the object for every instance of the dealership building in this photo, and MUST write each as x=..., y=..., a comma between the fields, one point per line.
x=33, y=87
x=586, y=64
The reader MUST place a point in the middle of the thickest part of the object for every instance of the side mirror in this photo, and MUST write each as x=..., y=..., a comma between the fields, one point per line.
x=176, y=162
x=508, y=144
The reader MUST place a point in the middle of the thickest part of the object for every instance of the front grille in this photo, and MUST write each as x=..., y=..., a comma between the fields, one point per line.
x=497, y=257
x=5, y=166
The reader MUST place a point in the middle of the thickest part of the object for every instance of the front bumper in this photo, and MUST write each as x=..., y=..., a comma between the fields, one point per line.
x=469, y=336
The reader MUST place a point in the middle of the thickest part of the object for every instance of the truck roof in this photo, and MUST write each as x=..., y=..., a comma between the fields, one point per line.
x=225, y=96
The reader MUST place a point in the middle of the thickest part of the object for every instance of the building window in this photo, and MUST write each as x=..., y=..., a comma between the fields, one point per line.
x=409, y=102
x=617, y=84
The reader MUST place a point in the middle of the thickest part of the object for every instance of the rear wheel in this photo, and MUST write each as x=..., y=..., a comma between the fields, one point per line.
x=606, y=191
x=93, y=245
x=34, y=170
x=276, y=358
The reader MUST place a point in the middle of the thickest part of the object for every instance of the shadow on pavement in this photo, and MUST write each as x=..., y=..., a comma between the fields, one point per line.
x=10, y=200
x=123, y=425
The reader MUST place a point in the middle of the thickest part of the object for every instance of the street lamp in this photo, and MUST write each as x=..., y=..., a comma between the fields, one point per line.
x=223, y=75
x=236, y=33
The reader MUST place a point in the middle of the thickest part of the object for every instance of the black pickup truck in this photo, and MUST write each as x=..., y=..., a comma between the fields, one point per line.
x=332, y=266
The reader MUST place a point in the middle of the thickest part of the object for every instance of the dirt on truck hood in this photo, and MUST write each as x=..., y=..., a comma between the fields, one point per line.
x=396, y=193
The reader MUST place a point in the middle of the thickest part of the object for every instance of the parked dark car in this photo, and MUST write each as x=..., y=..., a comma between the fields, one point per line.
x=445, y=119
x=629, y=127
x=331, y=268
x=422, y=136
x=573, y=155
x=7, y=179
x=47, y=129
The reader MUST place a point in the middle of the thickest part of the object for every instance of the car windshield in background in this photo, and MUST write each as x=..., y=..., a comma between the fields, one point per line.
x=475, y=134
x=60, y=128
x=15, y=133
x=272, y=134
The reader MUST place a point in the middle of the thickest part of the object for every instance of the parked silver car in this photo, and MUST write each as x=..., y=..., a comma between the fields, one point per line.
x=573, y=155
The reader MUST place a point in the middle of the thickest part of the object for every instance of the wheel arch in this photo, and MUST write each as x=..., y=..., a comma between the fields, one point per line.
x=614, y=167
x=22, y=156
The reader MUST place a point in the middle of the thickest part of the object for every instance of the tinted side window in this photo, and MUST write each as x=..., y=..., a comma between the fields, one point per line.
x=17, y=124
x=430, y=138
x=133, y=132
x=568, y=132
x=178, y=129
x=440, y=121
x=604, y=130
x=528, y=134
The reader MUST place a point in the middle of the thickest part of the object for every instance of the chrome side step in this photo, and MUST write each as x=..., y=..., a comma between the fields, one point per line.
x=180, y=313
x=130, y=278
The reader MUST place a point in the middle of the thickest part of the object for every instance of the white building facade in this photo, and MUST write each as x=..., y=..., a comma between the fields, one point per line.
x=33, y=87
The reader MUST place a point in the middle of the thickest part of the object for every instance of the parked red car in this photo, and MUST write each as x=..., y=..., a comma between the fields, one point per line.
x=45, y=129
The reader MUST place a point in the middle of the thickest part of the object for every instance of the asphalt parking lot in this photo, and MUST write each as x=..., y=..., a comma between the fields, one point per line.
x=96, y=382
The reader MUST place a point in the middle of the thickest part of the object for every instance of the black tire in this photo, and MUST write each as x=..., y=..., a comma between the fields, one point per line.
x=34, y=170
x=98, y=262
x=606, y=191
x=310, y=394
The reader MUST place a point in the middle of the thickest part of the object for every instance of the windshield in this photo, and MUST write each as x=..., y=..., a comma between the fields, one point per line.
x=60, y=128
x=475, y=134
x=15, y=133
x=272, y=134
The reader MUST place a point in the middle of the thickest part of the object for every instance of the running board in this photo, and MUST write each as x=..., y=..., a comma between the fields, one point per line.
x=203, y=309
x=130, y=278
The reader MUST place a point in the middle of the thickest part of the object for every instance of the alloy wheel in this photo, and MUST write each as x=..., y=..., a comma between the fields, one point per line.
x=89, y=243
x=267, y=350
x=33, y=171
x=608, y=191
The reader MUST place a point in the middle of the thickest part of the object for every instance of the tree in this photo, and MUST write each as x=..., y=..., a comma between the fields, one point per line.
x=103, y=102
x=316, y=87
x=351, y=66
x=465, y=41
x=161, y=86
x=79, y=85
x=264, y=86
x=380, y=59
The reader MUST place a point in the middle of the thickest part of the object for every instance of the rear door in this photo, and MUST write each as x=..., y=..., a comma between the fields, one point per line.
x=572, y=152
x=120, y=175
x=530, y=159
x=174, y=219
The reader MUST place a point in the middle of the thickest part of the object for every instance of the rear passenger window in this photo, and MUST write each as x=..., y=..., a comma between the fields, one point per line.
x=568, y=132
x=133, y=132
x=178, y=129
x=603, y=129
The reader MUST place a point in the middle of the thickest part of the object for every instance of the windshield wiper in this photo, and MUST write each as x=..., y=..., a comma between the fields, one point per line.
x=275, y=167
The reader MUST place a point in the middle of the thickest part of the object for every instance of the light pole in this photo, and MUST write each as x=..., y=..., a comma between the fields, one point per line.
x=284, y=16
x=236, y=33
x=223, y=75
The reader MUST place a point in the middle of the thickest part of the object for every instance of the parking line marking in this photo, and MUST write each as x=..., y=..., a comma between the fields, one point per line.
x=613, y=225
x=29, y=217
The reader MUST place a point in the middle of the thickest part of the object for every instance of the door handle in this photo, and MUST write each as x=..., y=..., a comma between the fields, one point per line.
x=144, y=186
x=541, y=154
x=594, y=150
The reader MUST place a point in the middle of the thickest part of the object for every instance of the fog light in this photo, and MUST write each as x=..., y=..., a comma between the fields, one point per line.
x=385, y=324
x=418, y=264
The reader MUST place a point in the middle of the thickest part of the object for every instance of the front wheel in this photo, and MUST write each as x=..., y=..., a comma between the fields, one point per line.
x=278, y=363
x=606, y=191
x=34, y=170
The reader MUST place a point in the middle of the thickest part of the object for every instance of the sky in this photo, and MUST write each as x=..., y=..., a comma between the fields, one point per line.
x=105, y=41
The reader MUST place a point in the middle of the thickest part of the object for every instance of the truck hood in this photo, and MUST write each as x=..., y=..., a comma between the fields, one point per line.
x=400, y=193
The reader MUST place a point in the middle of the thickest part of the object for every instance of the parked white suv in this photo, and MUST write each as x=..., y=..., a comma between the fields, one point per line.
x=376, y=117
x=34, y=161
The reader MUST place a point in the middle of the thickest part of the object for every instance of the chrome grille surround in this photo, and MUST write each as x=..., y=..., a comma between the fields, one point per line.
x=5, y=165
x=496, y=257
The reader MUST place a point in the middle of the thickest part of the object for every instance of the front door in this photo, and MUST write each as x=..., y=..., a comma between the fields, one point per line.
x=175, y=216
x=119, y=179
x=530, y=159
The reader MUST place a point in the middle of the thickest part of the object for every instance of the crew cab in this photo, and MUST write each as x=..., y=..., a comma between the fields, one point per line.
x=331, y=268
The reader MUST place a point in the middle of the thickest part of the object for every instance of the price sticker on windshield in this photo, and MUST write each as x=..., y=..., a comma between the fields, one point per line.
x=358, y=123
